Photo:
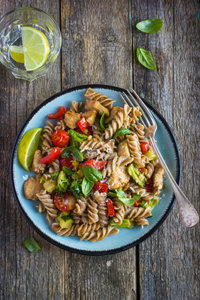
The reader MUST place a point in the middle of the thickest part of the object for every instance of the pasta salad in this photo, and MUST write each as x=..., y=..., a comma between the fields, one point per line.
x=95, y=169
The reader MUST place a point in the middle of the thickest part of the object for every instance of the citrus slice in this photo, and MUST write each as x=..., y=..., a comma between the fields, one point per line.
x=36, y=48
x=27, y=147
x=17, y=53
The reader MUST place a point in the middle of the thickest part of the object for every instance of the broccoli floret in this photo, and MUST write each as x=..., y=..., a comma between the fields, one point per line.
x=63, y=182
x=76, y=189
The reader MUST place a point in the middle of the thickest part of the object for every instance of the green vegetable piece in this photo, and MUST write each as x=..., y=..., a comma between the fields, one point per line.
x=120, y=195
x=54, y=175
x=145, y=58
x=125, y=223
x=31, y=245
x=62, y=214
x=76, y=188
x=86, y=186
x=42, y=179
x=144, y=204
x=67, y=171
x=139, y=177
x=151, y=155
x=150, y=26
x=49, y=185
x=91, y=174
x=154, y=202
x=63, y=182
x=101, y=122
x=66, y=222
x=122, y=131
x=76, y=138
x=77, y=154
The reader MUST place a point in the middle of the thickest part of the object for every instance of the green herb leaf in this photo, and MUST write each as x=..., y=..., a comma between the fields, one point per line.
x=122, y=131
x=91, y=174
x=76, y=138
x=101, y=122
x=42, y=179
x=145, y=58
x=120, y=195
x=150, y=26
x=31, y=245
x=77, y=154
x=86, y=186
x=76, y=188
x=54, y=175
x=67, y=171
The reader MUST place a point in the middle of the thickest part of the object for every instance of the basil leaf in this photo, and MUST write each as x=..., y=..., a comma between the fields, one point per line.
x=77, y=154
x=101, y=122
x=120, y=195
x=91, y=174
x=67, y=171
x=150, y=26
x=145, y=58
x=122, y=131
x=31, y=245
x=86, y=186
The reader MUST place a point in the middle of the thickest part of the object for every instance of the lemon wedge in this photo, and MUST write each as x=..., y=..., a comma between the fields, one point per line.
x=27, y=147
x=17, y=53
x=35, y=47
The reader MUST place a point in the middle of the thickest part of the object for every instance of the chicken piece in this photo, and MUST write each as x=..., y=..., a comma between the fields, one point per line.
x=90, y=116
x=119, y=178
x=123, y=149
x=37, y=167
x=113, y=112
x=71, y=119
x=158, y=177
x=95, y=105
x=32, y=186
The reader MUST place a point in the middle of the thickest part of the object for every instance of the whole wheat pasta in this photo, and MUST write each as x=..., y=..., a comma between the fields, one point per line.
x=48, y=204
x=103, y=99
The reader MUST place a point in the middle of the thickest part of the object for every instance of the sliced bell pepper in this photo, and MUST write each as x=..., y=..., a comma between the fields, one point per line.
x=59, y=114
x=51, y=157
x=144, y=147
x=99, y=165
x=82, y=124
x=100, y=187
x=110, y=207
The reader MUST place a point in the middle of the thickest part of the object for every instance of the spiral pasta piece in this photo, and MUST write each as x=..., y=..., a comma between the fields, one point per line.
x=91, y=143
x=135, y=151
x=139, y=130
x=60, y=125
x=100, y=198
x=48, y=204
x=100, y=234
x=135, y=114
x=75, y=106
x=54, y=166
x=103, y=99
x=64, y=231
x=92, y=210
x=116, y=123
x=138, y=214
x=80, y=206
x=46, y=142
x=120, y=211
x=87, y=228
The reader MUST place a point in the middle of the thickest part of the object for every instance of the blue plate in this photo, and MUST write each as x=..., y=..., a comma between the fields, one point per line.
x=126, y=238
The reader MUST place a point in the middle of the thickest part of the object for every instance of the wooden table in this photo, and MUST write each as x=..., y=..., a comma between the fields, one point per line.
x=99, y=44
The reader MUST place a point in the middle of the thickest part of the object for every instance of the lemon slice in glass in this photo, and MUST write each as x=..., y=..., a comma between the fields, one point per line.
x=27, y=147
x=17, y=53
x=35, y=46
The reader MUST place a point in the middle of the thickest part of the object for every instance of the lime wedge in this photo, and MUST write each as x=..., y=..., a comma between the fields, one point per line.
x=17, y=53
x=36, y=48
x=27, y=147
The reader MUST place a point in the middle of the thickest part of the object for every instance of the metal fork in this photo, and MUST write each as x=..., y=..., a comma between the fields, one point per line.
x=188, y=213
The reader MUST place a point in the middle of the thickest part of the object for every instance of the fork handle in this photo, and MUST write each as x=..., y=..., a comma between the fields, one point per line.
x=189, y=214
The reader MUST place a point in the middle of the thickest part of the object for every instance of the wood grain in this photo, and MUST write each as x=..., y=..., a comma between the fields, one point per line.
x=169, y=260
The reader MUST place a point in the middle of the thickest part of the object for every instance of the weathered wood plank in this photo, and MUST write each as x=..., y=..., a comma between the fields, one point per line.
x=97, y=49
x=25, y=275
x=169, y=259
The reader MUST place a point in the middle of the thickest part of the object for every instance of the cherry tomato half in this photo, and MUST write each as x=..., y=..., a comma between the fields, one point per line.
x=64, y=203
x=144, y=147
x=99, y=165
x=100, y=187
x=67, y=162
x=60, y=138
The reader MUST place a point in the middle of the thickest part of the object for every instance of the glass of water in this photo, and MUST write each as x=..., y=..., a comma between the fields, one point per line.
x=30, y=41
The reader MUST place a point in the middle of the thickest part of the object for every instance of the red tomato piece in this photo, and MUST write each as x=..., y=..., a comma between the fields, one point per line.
x=144, y=147
x=87, y=131
x=51, y=157
x=143, y=170
x=60, y=138
x=99, y=165
x=82, y=124
x=137, y=203
x=110, y=207
x=60, y=113
x=149, y=185
x=67, y=162
x=100, y=187
x=64, y=203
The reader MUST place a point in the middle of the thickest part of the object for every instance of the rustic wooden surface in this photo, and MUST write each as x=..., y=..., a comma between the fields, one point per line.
x=99, y=43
